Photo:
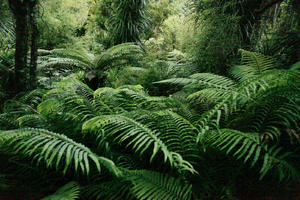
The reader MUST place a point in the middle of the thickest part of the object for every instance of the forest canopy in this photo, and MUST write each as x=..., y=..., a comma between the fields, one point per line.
x=149, y=99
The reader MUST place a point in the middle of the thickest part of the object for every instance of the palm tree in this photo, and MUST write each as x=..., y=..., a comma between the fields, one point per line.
x=129, y=21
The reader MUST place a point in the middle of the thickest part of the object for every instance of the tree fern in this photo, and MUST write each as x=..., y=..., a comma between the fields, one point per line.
x=80, y=60
x=119, y=55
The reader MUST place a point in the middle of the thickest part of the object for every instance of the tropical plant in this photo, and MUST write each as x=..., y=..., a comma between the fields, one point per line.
x=249, y=116
x=105, y=107
x=124, y=144
x=63, y=62
x=174, y=65
x=129, y=21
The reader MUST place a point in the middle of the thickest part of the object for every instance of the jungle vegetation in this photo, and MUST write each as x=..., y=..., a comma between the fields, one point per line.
x=149, y=99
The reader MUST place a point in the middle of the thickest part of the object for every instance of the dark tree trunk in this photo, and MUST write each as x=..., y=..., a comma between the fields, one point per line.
x=251, y=13
x=20, y=11
x=296, y=7
x=34, y=49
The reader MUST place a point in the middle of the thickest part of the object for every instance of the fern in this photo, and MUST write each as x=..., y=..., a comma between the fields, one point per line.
x=80, y=60
x=110, y=190
x=69, y=191
x=177, y=132
x=119, y=55
x=249, y=89
x=247, y=146
x=254, y=64
x=201, y=80
x=156, y=186
x=54, y=149
x=141, y=137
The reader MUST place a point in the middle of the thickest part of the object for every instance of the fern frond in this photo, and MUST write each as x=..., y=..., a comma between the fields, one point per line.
x=210, y=95
x=118, y=189
x=54, y=149
x=151, y=185
x=65, y=58
x=249, y=88
x=79, y=55
x=33, y=98
x=213, y=81
x=119, y=55
x=62, y=63
x=70, y=191
x=33, y=121
x=203, y=80
x=254, y=64
x=7, y=121
x=177, y=81
x=177, y=132
x=137, y=135
x=247, y=146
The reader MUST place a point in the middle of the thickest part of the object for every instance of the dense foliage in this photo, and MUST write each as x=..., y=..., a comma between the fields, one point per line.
x=147, y=99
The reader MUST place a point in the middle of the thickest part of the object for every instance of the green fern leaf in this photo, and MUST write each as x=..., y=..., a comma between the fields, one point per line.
x=156, y=186
x=69, y=191
x=45, y=144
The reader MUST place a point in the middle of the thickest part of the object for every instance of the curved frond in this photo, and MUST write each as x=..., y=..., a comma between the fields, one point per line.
x=69, y=191
x=152, y=185
x=248, y=146
x=253, y=64
x=137, y=135
x=203, y=80
x=55, y=150
x=247, y=90
x=119, y=55
x=65, y=58
x=118, y=189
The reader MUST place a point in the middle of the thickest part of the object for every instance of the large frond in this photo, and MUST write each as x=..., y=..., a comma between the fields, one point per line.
x=119, y=55
x=116, y=189
x=253, y=64
x=152, y=185
x=70, y=191
x=248, y=146
x=137, y=135
x=54, y=149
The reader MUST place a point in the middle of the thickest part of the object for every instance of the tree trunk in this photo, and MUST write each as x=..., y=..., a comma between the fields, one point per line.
x=34, y=49
x=20, y=11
